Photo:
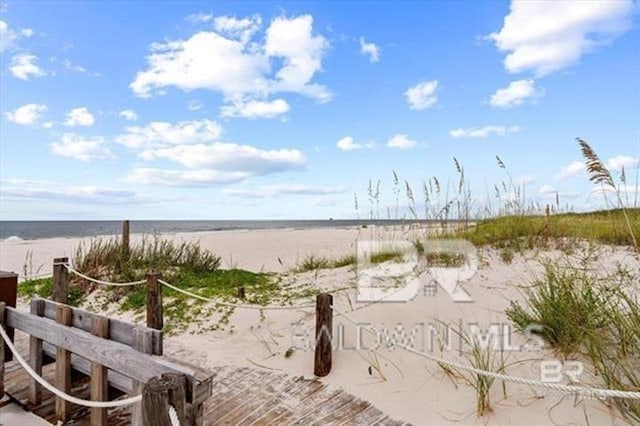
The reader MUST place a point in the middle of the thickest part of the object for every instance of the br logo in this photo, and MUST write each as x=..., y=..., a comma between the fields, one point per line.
x=394, y=271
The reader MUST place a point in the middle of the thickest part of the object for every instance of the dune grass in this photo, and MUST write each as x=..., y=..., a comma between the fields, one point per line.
x=184, y=265
x=529, y=231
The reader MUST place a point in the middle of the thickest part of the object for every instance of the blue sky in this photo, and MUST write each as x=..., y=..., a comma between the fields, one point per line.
x=278, y=110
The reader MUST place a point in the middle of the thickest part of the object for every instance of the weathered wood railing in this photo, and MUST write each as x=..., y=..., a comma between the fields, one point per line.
x=112, y=352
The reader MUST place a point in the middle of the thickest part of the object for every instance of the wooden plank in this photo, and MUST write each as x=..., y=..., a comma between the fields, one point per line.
x=269, y=388
x=119, y=331
x=63, y=367
x=99, y=374
x=113, y=355
x=141, y=343
x=284, y=402
x=35, y=354
x=325, y=410
x=2, y=305
x=313, y=402
x=366, y=417
x=241, y=393
x=83, y=365
x=343, y=413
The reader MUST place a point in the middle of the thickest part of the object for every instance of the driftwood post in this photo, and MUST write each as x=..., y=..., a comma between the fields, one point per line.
x=60, y=279
x=8, y=295
x=125, y=236
x=35, y=355
x=159, y=396
x=154, y=301
x=99, y=378
x=324, y=327
x=64, y=316
x=2, y=305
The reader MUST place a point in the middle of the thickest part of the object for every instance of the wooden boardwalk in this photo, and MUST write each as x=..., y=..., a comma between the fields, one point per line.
x=241, y=396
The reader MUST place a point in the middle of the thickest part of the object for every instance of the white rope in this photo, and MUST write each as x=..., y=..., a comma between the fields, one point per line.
x=58, y=392
x=233, y=305
x=35, y=277
x=582, y=390
x=94, y=280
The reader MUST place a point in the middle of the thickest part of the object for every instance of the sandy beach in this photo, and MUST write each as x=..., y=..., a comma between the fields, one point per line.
x=404, y=385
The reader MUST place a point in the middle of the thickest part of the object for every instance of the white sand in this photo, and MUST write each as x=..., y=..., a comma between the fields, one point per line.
x=414, y=389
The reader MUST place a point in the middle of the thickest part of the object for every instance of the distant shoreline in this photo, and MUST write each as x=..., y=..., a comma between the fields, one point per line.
x=36, y=230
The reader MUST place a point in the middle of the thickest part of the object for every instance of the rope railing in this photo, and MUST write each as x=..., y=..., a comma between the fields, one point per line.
x=23, y=278
x=234, y=305
x=101, y=282
x=58, y=392
x=185, y=292
x=579, y=390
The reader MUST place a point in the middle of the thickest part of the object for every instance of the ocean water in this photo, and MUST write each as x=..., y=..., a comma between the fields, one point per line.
x=30, y=230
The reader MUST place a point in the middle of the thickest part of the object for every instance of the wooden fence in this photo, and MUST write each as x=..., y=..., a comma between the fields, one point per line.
x=115, y=354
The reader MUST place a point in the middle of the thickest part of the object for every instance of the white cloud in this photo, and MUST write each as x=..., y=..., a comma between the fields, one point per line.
x=160, y=133
x=238, y=29
x=128, y=114
x=48, y=124
x=24, y=66
x=422, y=95
x=26, y=114
x=228, y=157
x=370, y=49
x=401, y=142
x=547, y=36
x=349, y=144
x=571, y=169
x=9, y=36
x=515, y=94
x=323, y=203
x=199, y=17
x=79, y=117
x=302, y=53
x=72, y=67
x=277, y=190
x=237, y=63
x=620, y=161
x=614, y=164
x=56, y=191
x=547, y=190
x=81, y=148
x=256, y=109
x=188, y=178
x=483, y=132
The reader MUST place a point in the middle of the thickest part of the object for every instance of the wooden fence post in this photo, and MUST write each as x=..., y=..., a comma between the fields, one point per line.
x=142, y=342
x=154, y=301
x=60, y=280
x=2, y=305
x=99, y=378
x=64, y=316
x=159, y=395
x=125, y=236
x=35, y=355
x=8, y=295
x=324, y=332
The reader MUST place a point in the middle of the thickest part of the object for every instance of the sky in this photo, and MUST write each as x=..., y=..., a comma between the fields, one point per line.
x=287, y=110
